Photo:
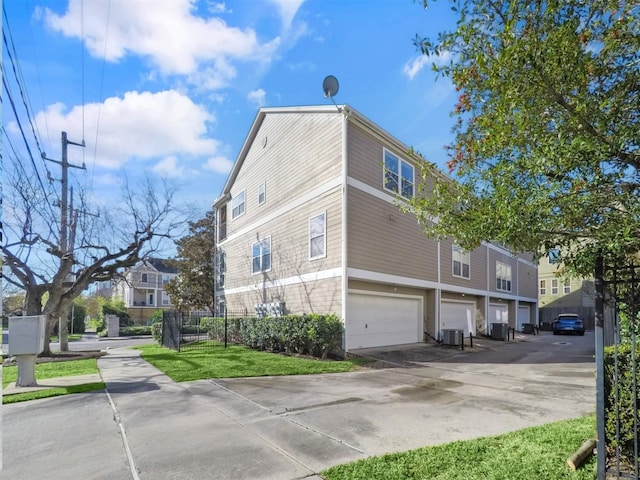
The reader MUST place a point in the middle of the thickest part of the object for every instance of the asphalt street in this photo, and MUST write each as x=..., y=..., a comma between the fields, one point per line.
x=146, y=426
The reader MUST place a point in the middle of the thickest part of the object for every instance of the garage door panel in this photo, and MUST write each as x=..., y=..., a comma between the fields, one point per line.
x=498, y=313
x=523, y=316
x=376, y=320
x=458, y=316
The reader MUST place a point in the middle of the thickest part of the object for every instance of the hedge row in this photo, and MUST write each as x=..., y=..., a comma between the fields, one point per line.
x=621, y=413
x=317, y=335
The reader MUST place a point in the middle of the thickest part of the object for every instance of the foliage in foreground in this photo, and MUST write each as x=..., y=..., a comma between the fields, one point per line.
x=234, y=361
x=620, y=404
x=546, y=133
x=537, y=452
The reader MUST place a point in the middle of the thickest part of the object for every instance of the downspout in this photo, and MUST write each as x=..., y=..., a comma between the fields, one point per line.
x=345, y=279
x=438, y=325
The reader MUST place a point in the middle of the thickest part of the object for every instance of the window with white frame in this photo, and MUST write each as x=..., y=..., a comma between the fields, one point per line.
x=554, y=286
x=461, y=262
x=165, y=279
x=166, y=300
x=144, y=278
x=237, y=205
x=543, y=287
x=317, y=236
x=567, y=286
x=398, y=175
x=221, y=268
x=261, y=256
x=503, y=277
x=262, y=193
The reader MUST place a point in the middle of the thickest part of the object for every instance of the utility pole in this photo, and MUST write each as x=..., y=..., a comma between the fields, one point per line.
x=64, y=227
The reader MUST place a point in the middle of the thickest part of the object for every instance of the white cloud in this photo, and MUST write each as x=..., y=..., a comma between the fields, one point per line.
x=219, y=164
x=140, y=126
x=415, y=65
x=258, y=97
x=168, y=167
x=218, y=7
x=171, y=37
x=287, y=10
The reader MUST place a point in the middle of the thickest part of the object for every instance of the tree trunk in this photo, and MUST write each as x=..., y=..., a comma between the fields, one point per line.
x=63, y=331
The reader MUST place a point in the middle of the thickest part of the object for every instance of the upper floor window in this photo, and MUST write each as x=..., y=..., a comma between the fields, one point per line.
x=221, y=268
x=543, y=287
x=553, y=256
x=262, y=193
x=317, y=236
x=237, y=205
x=144, y=278
x=165, y=279
x=461, y=262
x=503, y=277
x=222, y=223
x=567, y=286
x=398, y=175
x=261, y=256
x=554, y=286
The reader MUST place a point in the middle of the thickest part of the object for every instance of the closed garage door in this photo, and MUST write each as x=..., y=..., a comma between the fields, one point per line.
x=523, y=315
x=458, y=316
x=375, y=320
x=498, y=313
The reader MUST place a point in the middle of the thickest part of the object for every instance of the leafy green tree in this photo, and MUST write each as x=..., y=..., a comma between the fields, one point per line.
x=546, y=145
x=193, y=287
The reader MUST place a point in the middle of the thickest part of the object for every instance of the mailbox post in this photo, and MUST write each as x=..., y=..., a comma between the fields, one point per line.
x=26, y=341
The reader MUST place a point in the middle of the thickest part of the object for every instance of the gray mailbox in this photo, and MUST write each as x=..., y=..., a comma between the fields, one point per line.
x=26, y=341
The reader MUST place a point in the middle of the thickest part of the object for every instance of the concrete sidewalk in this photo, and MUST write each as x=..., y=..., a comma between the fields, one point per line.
x=145, y=426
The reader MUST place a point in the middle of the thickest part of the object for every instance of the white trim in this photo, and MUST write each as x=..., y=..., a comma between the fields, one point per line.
x=400, y=161
x=359, y=274
x=263, y=185
x=261, y=255
x=371, y=190
x=244, y=203
x=310, y=195
x=324, y=236
x=463, y=253
x=297, y=279
x=343, y=241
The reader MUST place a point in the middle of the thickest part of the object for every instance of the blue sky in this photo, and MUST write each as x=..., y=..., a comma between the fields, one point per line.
x=172, y=86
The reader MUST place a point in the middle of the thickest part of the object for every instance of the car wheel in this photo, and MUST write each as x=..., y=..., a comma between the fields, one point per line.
x=555, y=333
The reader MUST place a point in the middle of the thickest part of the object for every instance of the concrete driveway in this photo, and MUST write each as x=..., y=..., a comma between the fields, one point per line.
x=293, y=427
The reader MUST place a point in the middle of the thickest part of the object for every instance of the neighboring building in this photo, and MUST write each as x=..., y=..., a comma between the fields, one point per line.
x=308, y=222
x=142, y=288
x=562, y=295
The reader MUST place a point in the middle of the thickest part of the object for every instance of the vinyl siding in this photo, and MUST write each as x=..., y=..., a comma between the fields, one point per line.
x=478, y=267
x=292, y=153
x=321, y=296
x=289, y=253
x=383, y=239
x=527, y=280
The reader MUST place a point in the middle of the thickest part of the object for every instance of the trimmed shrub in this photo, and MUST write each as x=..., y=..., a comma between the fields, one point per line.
x=156, y=331
x=620, y=414
x=137, y=330
x=317, y=335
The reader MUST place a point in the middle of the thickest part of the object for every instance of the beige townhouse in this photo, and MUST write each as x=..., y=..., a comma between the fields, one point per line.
x=308, y=222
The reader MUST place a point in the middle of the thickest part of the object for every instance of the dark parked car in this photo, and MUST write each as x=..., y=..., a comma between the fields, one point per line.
x=568, y=323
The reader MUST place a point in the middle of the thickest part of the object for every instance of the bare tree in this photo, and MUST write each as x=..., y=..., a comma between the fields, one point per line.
x=102, y=241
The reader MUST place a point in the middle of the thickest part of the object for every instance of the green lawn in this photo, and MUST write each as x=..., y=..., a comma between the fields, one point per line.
x=71, y=337
x=53, y=370
x=533, y=453
x=235, y=361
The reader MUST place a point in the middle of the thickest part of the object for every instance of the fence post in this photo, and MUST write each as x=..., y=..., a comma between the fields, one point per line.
x=600, y=370
x=225, y=326
x=470, y=340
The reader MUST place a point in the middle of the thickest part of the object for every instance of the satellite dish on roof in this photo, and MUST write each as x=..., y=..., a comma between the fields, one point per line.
x=330, y=86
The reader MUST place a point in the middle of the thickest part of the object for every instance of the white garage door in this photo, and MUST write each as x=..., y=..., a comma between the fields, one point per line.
x=458, y=316
x=498, y=313
x=375, y=320
x=523, y=316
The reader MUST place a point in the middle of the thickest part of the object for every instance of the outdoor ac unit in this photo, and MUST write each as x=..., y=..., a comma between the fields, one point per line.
x=452, y=337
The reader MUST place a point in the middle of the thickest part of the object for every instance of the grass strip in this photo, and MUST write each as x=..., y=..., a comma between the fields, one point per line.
x=235, y=361
x=67, y=368
x=532, y=453
x=52, y=392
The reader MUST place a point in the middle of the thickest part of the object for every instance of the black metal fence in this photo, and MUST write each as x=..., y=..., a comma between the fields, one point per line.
x=618, y=372
x=200, y=330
